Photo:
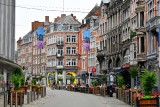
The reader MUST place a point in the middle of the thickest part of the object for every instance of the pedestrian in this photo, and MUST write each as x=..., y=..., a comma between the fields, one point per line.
x=26, y=83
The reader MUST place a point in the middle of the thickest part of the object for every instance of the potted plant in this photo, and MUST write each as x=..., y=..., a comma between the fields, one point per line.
x=95, y=88
x=120, y=82
x=148, y=80
x=18, y=80
x=34, y=86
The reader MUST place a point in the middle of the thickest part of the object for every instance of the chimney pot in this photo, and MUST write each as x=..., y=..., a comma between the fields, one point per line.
x=46, y=18
x=63, y=15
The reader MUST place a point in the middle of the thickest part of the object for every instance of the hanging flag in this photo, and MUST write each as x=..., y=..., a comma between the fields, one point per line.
x=40, y=37
x=86, y=40
x=40, y=44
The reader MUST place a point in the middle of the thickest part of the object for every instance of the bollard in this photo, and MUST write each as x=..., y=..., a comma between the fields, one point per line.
x=21, y=99
x=37, y=94
x=34, y=95
x=5, y=99
x=31, y=96
x=28, y=98
x=44, y=91
x=11, y=100
x=41, y=92
x=16, y=101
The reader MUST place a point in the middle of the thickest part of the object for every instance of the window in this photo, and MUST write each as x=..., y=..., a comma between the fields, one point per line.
x=68, y=50
x=158, y=8
x=59, y=27
x=60, y=62
x=60, y=51
x=51, y=62
x=134, y=48
x=71, y=50
x=141, y=19
x=60, y=40
x=142, y=45
x=150, y=10
x=71, y=62
x=71, y=38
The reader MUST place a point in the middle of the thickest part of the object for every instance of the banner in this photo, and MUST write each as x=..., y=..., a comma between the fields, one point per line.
x=40, y=37
x=86, y=40
x=40, y=44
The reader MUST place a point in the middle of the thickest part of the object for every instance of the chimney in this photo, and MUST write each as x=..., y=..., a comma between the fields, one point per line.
x=63, y=15
x=46, y=18
x=74, y=17
x=58, y=18
x=55, y=19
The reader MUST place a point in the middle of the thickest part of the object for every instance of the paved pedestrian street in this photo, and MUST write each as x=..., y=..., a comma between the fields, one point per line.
x=62, y=98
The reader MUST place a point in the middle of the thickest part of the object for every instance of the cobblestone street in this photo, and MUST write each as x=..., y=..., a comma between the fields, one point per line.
x=61, y=98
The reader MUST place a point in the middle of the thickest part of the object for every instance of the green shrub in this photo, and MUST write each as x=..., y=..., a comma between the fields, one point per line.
x=18, y=71
x=120, y=81
x=33, y=82
x=104, y=78
x=22, y=81
x=133, y=71
x=95, y=83
x=16, y=81
x=148, y=81
x=17, y=78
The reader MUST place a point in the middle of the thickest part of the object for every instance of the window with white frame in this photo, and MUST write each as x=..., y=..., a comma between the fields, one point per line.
x=60, y=40
x=30, y=59
x=71, y=62
x=60, y=62
x=51, y=62
x=60, y=51
x=71, y=38
x=150, y=9
x=71, y=50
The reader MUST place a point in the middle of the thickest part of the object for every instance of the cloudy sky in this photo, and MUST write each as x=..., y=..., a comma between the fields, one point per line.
x=28, y=11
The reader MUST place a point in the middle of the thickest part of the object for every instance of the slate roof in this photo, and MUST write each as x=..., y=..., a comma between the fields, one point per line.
x=67, y=20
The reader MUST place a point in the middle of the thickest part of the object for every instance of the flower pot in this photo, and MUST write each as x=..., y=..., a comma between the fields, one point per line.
x=24, y=89
x=18, y=98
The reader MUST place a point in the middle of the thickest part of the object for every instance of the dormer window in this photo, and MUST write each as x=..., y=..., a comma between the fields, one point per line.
x=70, y=27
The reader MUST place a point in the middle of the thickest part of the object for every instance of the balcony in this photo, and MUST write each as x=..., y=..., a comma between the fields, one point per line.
x=60, y=43
x=59, y=66
x=141, y=57
x=59, y=55
x=100, y=55
x=153, y=23
x=71, y=67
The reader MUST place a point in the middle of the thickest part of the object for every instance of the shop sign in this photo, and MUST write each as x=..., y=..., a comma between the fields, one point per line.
x=93, y=70
x=125, y=66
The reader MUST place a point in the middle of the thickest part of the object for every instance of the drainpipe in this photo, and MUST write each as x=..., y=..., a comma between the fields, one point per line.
x=158, y=73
